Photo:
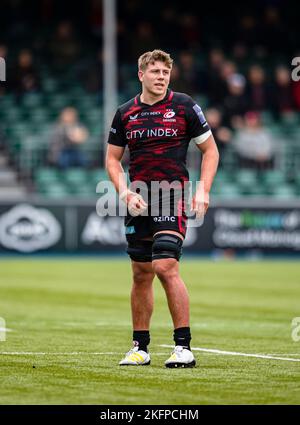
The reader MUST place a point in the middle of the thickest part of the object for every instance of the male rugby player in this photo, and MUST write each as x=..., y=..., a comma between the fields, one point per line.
x=157, y=125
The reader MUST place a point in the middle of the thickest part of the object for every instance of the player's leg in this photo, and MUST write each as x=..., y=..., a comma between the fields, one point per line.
x=167, y=270
x=166, y=252
x=141, y=301
x=142, y=295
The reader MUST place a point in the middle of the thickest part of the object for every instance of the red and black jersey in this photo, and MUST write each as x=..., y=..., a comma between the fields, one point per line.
x=158, y=135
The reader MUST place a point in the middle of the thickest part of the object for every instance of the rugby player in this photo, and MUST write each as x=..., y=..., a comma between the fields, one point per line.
x=157, y=125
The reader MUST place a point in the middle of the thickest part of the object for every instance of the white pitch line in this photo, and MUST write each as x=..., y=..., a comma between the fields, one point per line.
x=206, y=350
x=234, y=353
x=74, y=353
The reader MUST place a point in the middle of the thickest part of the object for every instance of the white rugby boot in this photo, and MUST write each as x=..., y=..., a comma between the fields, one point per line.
x=136, y=357
x=180, y=357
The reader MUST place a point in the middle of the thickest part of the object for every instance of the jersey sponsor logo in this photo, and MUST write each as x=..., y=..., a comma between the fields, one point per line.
x=169, y=114
x=164, y=218
x=200, y=114
x=152, y=132
x=113, y=130
x=150, y=113
x=133, y=117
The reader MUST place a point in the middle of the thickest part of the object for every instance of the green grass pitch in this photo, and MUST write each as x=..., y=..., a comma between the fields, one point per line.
x=64, y=316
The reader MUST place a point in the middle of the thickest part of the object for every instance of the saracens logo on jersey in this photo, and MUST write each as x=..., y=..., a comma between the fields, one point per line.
x=168, y=116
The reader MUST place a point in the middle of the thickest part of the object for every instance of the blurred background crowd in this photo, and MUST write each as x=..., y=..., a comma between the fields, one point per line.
x=235, y=61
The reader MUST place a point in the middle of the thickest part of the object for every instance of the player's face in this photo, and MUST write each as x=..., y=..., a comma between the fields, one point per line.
x=156, y=78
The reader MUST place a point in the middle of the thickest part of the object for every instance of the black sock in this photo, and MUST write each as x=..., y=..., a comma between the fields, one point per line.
x=142, y=339
x=182, y=336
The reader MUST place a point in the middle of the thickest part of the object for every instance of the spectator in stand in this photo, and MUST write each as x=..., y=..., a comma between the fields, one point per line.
x=254, y=144
x=90, y=73
x=169, y=18
x=212, y=85
x=239, y=54
x=66, y=140
x=25, y=76
x=235, y=103
x=273, y=32
x=222, y=134
x=283, y=99
x=188, y=73
x=190, y=30
x=177, y=82
x=96, y=18
x=258, y=93
x=64, y=47
x=248, y=31
x=144, y=39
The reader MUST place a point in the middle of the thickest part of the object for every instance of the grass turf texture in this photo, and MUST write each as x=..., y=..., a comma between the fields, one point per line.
x=82, y=306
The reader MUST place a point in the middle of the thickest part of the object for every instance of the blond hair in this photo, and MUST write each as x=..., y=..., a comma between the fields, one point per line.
x=156, y=55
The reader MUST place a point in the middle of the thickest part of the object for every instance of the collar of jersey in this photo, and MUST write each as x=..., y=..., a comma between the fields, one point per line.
x=138, y=99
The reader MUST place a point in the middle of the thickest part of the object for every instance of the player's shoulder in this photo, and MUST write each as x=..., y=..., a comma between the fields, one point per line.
x=126, y=106
x=183, y=98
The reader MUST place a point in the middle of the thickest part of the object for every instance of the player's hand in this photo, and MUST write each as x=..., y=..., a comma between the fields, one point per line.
x=200, y=203
x=134, y=201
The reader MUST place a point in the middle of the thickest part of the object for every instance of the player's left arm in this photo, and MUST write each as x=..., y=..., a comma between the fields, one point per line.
x=201, y=135
x=209, y=165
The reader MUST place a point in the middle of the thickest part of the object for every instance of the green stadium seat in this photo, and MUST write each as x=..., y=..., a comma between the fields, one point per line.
x=98, y=175
x=12, y=114
x=47, y=176
x=50, y=85
x=246, y=178
x=272, y=178
x=290, y=119
x=86, y=190
x=55, y=190
x=267, y=118
x=75, y=176
x=284, y=192
x=229, y=191
x=58, y=101
x=254, y=190
x=7, y=101
x=32, y=100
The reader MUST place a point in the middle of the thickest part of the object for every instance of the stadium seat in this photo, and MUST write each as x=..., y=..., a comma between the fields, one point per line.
x=267, y=118
x=47, y=175
x=50, y=85
x=55, y=190
x=272, y=178
x=229, y=191
x=75, y=176
x=32, y=100
x=246, y=178
x=285, y=191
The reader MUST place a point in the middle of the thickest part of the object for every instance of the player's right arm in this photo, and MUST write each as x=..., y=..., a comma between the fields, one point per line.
x=114, y=167
x=115, y=150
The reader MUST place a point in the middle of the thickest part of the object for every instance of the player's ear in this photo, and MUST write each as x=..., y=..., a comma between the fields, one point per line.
x=140, y=74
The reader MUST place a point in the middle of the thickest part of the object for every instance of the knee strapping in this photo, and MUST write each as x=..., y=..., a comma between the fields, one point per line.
x=166, y=245
x=140, y=251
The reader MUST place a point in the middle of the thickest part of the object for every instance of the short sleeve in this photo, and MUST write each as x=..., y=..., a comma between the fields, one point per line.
x=116, y=133
x=198, y=128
